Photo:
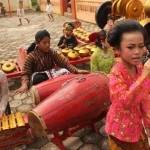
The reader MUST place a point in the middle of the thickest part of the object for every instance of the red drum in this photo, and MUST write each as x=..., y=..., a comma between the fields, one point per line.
x=41, y=91
x=80, y=101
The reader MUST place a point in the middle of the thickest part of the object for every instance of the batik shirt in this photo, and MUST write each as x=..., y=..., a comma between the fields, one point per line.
x=37, y=61
x=102, y=61
x=127, y=111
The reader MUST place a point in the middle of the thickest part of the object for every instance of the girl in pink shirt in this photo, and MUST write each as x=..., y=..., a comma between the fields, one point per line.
x=129, y=94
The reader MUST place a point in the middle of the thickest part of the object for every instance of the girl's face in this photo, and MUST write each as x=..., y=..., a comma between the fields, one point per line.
x=132, y=48
x=44, y=44
x=110, y=23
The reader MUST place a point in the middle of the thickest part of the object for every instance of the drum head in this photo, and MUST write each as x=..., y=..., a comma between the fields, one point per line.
x=102, y=14
x=35, y=95
x=37, y=125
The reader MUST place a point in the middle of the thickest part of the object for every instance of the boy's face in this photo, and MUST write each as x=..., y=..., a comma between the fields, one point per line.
x=44, y=44
x=68, y=32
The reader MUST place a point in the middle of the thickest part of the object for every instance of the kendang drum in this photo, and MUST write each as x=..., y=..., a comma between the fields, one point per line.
x=80, y=101
x=40, y=91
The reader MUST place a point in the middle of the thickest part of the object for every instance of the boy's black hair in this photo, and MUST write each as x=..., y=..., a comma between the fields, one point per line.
x=126, y=26
x=38, y=37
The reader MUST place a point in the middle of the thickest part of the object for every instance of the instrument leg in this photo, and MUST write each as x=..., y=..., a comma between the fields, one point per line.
x=58, y=141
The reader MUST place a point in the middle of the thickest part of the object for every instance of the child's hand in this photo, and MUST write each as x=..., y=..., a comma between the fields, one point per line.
x=83, y=71
x=146, y=70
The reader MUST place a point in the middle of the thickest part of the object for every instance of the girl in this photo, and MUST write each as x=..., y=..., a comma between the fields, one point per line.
x=109, y=24
x=128, y=89
x=49, y=10
x=41, y=60
x=102, y=59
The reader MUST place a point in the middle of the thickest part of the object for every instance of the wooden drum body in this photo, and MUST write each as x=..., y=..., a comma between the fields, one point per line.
x=80, y=101
x=46, y=88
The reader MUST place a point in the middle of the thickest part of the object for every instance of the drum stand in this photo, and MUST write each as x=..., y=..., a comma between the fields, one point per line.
x=60, y=137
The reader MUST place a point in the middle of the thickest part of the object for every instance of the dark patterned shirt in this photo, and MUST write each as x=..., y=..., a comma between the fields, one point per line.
x=38, y=61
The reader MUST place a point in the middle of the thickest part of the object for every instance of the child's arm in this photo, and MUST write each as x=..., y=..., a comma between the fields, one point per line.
x=64, y=63
x=75, y=42
x=4, y=92
x=27, y=73
x=61, y=43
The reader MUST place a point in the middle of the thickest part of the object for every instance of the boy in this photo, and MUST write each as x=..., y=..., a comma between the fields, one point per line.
x=68, y=40
x=20, y=12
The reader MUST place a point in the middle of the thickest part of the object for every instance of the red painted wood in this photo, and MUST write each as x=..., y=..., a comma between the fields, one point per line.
x=80, y=60
x=73, y=8
x=46, y=88
x=62, y=4
x=82, y=100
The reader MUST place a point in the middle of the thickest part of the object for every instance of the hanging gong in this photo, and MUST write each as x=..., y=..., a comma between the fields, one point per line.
x=146, y=24
x=134, y=9
x=102, y=14
x=123, y=6
x=114, y=8
x=118, y=7
x=147, y=8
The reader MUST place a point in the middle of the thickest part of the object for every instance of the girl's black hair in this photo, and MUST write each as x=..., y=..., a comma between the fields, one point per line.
x=38, y=37
x=101, y=36
x=110, y=17
x=115, y=35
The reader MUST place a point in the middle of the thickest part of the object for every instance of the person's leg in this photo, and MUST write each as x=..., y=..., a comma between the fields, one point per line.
x=19, y=16
x=49, y=17
x=23, y=16
x=27, y=20
x=52, y=17
x=20, y=20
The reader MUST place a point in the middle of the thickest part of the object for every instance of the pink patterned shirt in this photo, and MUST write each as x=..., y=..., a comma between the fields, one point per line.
x=124, y=118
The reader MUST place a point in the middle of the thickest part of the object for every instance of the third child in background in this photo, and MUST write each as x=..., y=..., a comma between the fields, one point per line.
x=49, y=10
x=68, y=40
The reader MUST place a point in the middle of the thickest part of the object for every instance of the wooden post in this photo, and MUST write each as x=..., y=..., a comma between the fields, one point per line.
x=62, y=7
x=73, y=8
x=10, y=13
